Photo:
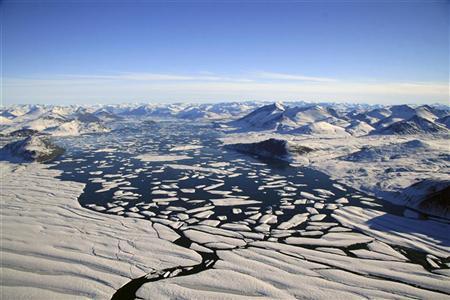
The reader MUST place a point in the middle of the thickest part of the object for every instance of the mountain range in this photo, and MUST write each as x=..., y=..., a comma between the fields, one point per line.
x=327, y=120
x=293, y=118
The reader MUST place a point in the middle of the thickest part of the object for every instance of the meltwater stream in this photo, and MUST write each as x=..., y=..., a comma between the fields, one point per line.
x=179, y=175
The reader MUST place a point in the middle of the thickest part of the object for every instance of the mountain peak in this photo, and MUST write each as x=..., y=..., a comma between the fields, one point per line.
x=279, y=106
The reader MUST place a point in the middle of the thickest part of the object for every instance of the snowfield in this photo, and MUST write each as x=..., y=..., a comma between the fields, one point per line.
x=52, y=248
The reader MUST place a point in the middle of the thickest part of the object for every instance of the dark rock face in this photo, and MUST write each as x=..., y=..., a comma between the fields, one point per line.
x=105, y=115
x=437, y=203
x=87, y=118
x=33, y=148
x=299, y=149
x=23, y=132
x=431, y=197
x=445, y=121
x=191, y=114
x=271, y=148
x=150, y=122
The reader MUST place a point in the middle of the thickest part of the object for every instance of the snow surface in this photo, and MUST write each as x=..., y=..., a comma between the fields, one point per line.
x=427, y=236
x=186, y=147
x=4, y=121
x=149, y=157
x=382, y=166
x=321, y=128
x=278, y=271
x=53, y=248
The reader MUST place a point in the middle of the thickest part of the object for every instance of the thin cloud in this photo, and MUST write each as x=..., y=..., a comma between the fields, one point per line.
x=159, y=77
x=99, y=88
x=295, y=77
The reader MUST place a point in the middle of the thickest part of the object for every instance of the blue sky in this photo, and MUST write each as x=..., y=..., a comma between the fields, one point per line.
x=204, y=51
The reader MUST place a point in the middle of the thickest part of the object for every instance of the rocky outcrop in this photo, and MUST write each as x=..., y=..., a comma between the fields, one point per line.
x=431, y=196
x=33, y=148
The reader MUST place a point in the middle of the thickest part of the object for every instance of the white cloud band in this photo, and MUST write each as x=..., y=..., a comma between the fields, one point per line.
x=173, y=87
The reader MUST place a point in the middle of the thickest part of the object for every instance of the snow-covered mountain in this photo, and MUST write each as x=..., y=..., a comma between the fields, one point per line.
x=406, y=112
x=33, y=148
x=390, y=152
x=294, y=117
x=74, y=120
x=403, y=111
x=106, y=116
x=268, y=117
x=181, y=110
x=414, y=125
x=324, y=119
x=359, y=128
x=320, y=128
x=311, y=114
x=284, y=118
x=75, y=127
x=194, y=113
x=53, y=120
x=14, y=111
